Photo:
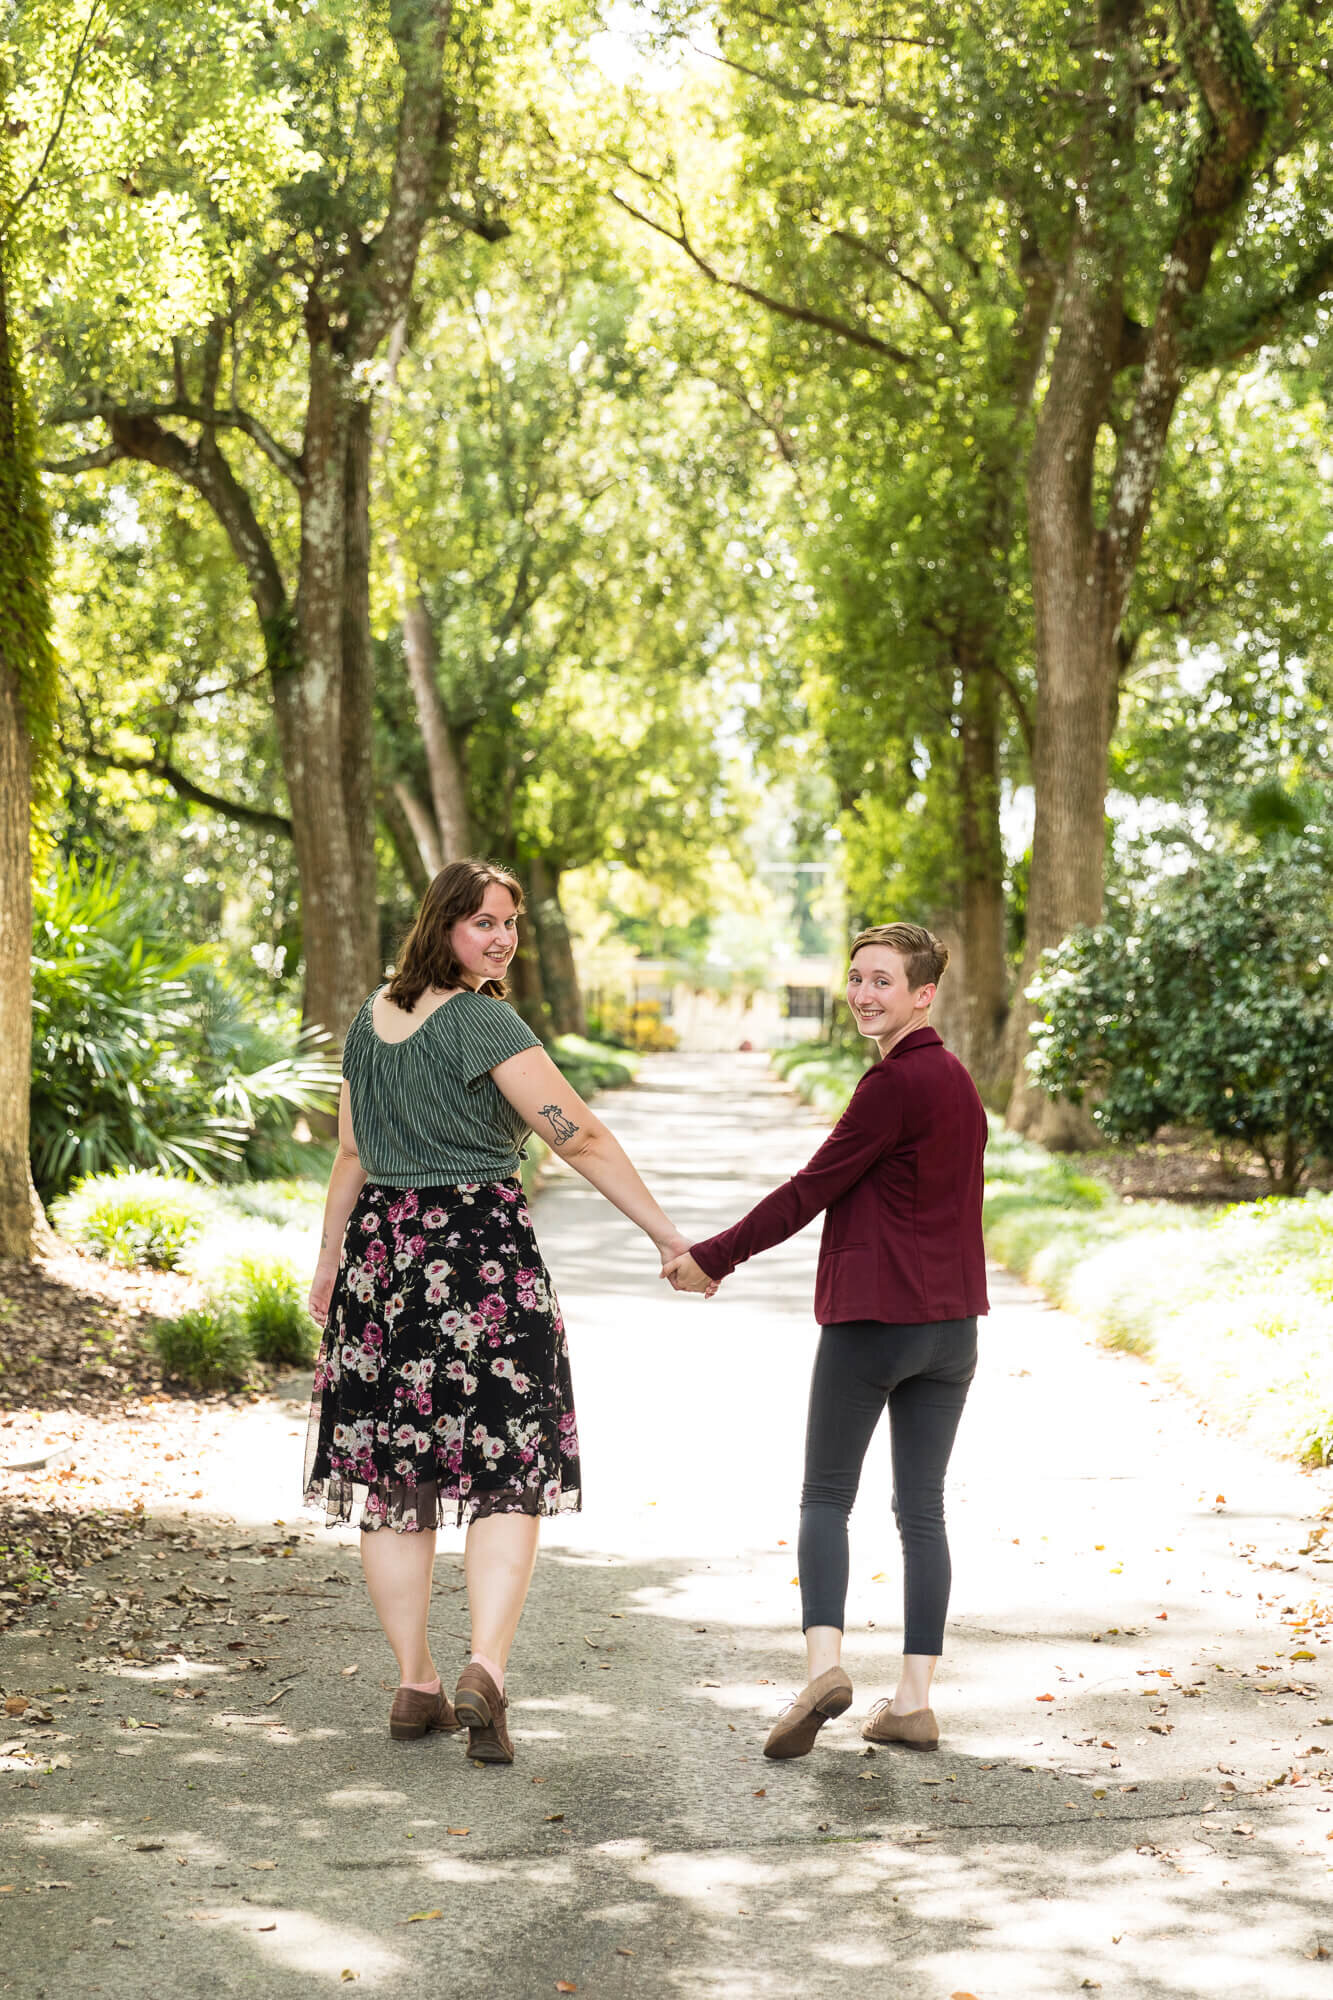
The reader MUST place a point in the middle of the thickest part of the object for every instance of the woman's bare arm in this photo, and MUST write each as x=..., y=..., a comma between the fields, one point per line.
x=558, y=1115
x=346, y=1181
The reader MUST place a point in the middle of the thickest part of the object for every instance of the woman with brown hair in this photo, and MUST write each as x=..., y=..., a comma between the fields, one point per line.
x=442, y=1385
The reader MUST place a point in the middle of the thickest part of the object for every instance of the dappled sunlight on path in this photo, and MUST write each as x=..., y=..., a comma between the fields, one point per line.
x=218, y=1791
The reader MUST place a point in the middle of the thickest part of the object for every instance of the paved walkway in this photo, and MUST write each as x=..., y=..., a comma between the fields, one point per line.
x=1131, y=1795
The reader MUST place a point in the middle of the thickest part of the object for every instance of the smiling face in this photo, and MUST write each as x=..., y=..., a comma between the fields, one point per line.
x=884, y=1006
x=485, y=942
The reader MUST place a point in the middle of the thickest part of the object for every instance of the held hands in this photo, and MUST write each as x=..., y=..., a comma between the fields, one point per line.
x=684, y=1275
x=680, y=1269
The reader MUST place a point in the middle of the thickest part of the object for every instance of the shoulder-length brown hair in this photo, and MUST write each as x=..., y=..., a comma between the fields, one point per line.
x=427, y=957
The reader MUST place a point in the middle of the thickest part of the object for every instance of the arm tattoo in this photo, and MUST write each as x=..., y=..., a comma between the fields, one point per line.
x=563, y=1128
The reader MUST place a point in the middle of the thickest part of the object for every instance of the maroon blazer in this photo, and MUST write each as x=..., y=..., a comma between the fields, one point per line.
x=900, y=1176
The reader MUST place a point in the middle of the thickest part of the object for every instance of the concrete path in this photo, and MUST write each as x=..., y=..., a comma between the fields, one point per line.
x=1131, y=1795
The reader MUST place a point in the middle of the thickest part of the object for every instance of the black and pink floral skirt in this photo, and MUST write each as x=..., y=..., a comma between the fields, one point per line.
x=442, y=1387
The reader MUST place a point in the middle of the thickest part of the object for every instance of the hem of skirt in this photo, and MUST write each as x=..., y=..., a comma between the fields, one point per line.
x=448, y=1510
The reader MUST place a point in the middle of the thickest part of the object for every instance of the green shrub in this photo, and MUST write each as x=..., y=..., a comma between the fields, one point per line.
x=144, y=1056
x=269, y=1300
x=129, y=1218
x=206, y=1347
x=591, y=1066
x=1210, y=1005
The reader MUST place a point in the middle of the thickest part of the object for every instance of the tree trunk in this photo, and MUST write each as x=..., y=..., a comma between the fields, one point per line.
x=559, y=972
x=323, y=707
x=526, y=984
x=15, y=948
x=413, y=833
x=1076, y=608
x=24, y=625
x=984, y=972
x=447, y=790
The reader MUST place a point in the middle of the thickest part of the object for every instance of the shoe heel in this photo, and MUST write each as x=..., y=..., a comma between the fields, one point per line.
x=472, y=1709
x=406, y=1732
x=834, y=1704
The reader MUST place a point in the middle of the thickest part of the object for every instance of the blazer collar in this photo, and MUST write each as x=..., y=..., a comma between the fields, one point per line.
x=920, y=1038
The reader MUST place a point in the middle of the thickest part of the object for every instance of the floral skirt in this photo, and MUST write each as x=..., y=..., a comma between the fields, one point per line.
x=442, y=1385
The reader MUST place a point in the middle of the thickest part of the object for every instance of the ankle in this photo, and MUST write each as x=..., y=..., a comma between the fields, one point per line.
x=493, y=1668
x=422, y=1686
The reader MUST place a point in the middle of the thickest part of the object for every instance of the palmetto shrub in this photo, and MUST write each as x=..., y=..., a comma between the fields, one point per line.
x=147, y=1055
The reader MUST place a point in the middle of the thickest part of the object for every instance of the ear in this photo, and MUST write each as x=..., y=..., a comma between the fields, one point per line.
x=923, y=996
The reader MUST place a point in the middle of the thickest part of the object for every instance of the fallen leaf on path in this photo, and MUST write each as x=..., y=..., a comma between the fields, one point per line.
x=762, y=1793
x=1242, y=1826
x=458, y=1831
x=424, y=1916
x=149, y=1846
x=350, y=1670
x=17, y=1704
x=565, y=1986
x=1161, y=1617
x=1302, y=1656
x=261, y=1864
x=962, y=1996
x=1045, y=1697
x=551, y=1818
x=347, y=1973
x=623, y=1951
x=268, y=1927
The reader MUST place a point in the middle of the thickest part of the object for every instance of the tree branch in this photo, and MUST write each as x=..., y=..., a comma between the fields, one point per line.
x=899, y=114
x=289, y=464
x=380, y=289
x=59, y=126
x=1267, y=320
x=890, y=263
x=1237, y=96
x=1022, y=714
x=85, y=461
x=490, y=228
x=855, y=336
x=159, y=767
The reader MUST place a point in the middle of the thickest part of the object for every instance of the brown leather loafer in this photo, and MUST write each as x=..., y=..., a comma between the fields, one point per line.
x=918, y=1731
x=414, y=1712
x=479, y=1703
x=794, y=1732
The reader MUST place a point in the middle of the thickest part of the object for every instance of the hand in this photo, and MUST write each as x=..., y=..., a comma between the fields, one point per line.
x=321, y=1291
x=685, y=1276
x=669, y=1248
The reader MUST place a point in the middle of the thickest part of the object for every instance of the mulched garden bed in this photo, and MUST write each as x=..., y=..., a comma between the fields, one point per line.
x=1181, y=1166
x=86, y=1422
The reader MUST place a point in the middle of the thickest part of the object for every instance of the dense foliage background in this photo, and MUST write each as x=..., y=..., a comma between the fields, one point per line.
x=681, y=452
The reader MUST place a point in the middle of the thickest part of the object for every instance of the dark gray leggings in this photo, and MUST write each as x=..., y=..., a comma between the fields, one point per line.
x=923, y=1374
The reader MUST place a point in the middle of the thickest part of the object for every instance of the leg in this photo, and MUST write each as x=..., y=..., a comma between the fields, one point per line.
x=498, y=1561
x=845, y=1406
x=924, y=1411
x=399, y=1569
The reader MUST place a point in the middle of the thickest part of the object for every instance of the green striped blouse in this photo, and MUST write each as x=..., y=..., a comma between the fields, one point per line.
x=425, y=1111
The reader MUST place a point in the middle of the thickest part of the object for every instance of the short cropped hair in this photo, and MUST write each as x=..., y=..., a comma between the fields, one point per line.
x=924, y=955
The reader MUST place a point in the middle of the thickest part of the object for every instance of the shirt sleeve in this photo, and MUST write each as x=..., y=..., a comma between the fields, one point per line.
x=352, y=1042
x=870, y=1126
x=490, y=1032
